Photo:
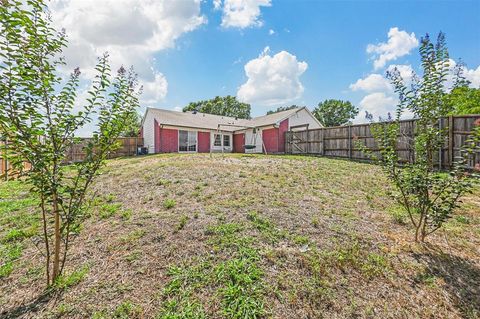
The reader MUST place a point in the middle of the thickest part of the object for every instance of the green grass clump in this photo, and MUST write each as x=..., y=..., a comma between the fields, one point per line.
x=399, y=215
x=266, y=227
x=181, y=224
x=169, y=203
x=65, y=281
x=127, y=214
x=462, y=219
x=9, y=253
x=182, y=309
x=126, y=310
x=133, y=236
x=133, y=256
x=237, y=278
x=242, y=295
x=375, y=265
x=108, y=210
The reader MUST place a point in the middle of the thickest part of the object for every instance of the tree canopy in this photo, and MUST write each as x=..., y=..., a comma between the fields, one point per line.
x=335, y=112
x=226, y=106
x=132, y=125
x=464, y=100
x=283, y=108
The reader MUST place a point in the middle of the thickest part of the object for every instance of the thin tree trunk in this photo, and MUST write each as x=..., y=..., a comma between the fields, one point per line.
x=56, y=257
x=47, y=244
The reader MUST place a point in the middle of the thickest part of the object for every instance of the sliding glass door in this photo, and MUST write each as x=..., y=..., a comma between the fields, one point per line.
x=187, y=141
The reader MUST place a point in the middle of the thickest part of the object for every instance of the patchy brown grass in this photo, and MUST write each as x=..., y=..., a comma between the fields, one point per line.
x=187, y=236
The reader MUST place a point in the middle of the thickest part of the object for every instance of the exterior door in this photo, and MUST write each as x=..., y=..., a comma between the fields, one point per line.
x=187, y=141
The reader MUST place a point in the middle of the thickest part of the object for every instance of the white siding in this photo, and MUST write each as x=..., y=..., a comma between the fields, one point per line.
x=303, y=117
x=149, y=132
x=251, y=139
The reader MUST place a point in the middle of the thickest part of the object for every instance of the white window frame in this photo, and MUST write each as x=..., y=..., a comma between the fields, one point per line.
x=215, y=139
x=222, y=141
x=229, y=140
x=188, y=135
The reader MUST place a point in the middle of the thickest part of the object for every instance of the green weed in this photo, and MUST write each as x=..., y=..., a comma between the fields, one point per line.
x=181, y=224
x=65, y=281
x=108, y=210
x=169, y=203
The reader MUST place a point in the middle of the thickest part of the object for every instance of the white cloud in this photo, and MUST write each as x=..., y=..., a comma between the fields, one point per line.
x=473, y=76
x=381, y=99
x=272, y=80
x=156, y=90
x=406, y=71
x=241, y=13
x=399, y=43
x=379, y=104
x=271, y=32
x=130, y=30
x=217, y=4
x=373, y=82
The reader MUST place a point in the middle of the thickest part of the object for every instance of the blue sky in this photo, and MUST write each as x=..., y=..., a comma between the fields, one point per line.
x=298, y=52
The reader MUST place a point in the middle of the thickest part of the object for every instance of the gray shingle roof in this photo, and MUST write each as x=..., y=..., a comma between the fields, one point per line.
x=210, y=121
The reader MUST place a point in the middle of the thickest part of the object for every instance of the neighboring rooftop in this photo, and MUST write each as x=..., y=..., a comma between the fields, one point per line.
x=210, y=121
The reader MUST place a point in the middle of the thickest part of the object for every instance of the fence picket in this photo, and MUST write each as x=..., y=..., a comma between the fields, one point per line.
x=339, y=141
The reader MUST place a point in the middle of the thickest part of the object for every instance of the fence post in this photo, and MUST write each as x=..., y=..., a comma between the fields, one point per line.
x=323, y=141
x=350, y=141
x=308, y=141
x=450, y=141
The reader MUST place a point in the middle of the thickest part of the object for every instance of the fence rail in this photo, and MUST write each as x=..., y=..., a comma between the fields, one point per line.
x=339, y=141
x=128, y=147
x=76, y=153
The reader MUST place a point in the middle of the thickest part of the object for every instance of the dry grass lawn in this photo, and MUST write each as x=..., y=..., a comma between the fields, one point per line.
x=187, y=236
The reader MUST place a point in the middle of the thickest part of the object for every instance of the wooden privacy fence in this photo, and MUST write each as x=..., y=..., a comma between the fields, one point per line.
x=339, y=141
x=128, y=147
x=6, y=169
x=76, y=153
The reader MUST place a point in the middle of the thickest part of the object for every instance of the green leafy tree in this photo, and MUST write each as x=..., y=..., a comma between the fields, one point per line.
x=283, y=108
x=429, y=197
x=38, y=115
x=462, y=99
x=131, y=126
x=226, y=106
x=335, y=112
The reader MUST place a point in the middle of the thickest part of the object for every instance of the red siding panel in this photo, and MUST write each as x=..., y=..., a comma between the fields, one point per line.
x=166, y=140
x=270, y=140
x=281, y=135
x=274, y=138
x=238, y=143
x=203, y=142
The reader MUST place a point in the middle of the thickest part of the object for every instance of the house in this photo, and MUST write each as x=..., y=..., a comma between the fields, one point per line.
x=166, y=131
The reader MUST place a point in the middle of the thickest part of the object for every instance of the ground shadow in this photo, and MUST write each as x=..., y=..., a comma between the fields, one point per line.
x=461, y=276
x=29, y=308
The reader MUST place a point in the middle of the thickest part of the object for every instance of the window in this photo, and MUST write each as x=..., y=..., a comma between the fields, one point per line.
x=226, y=140
x=222, y=140
x=218, y=140
x=187, y=141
